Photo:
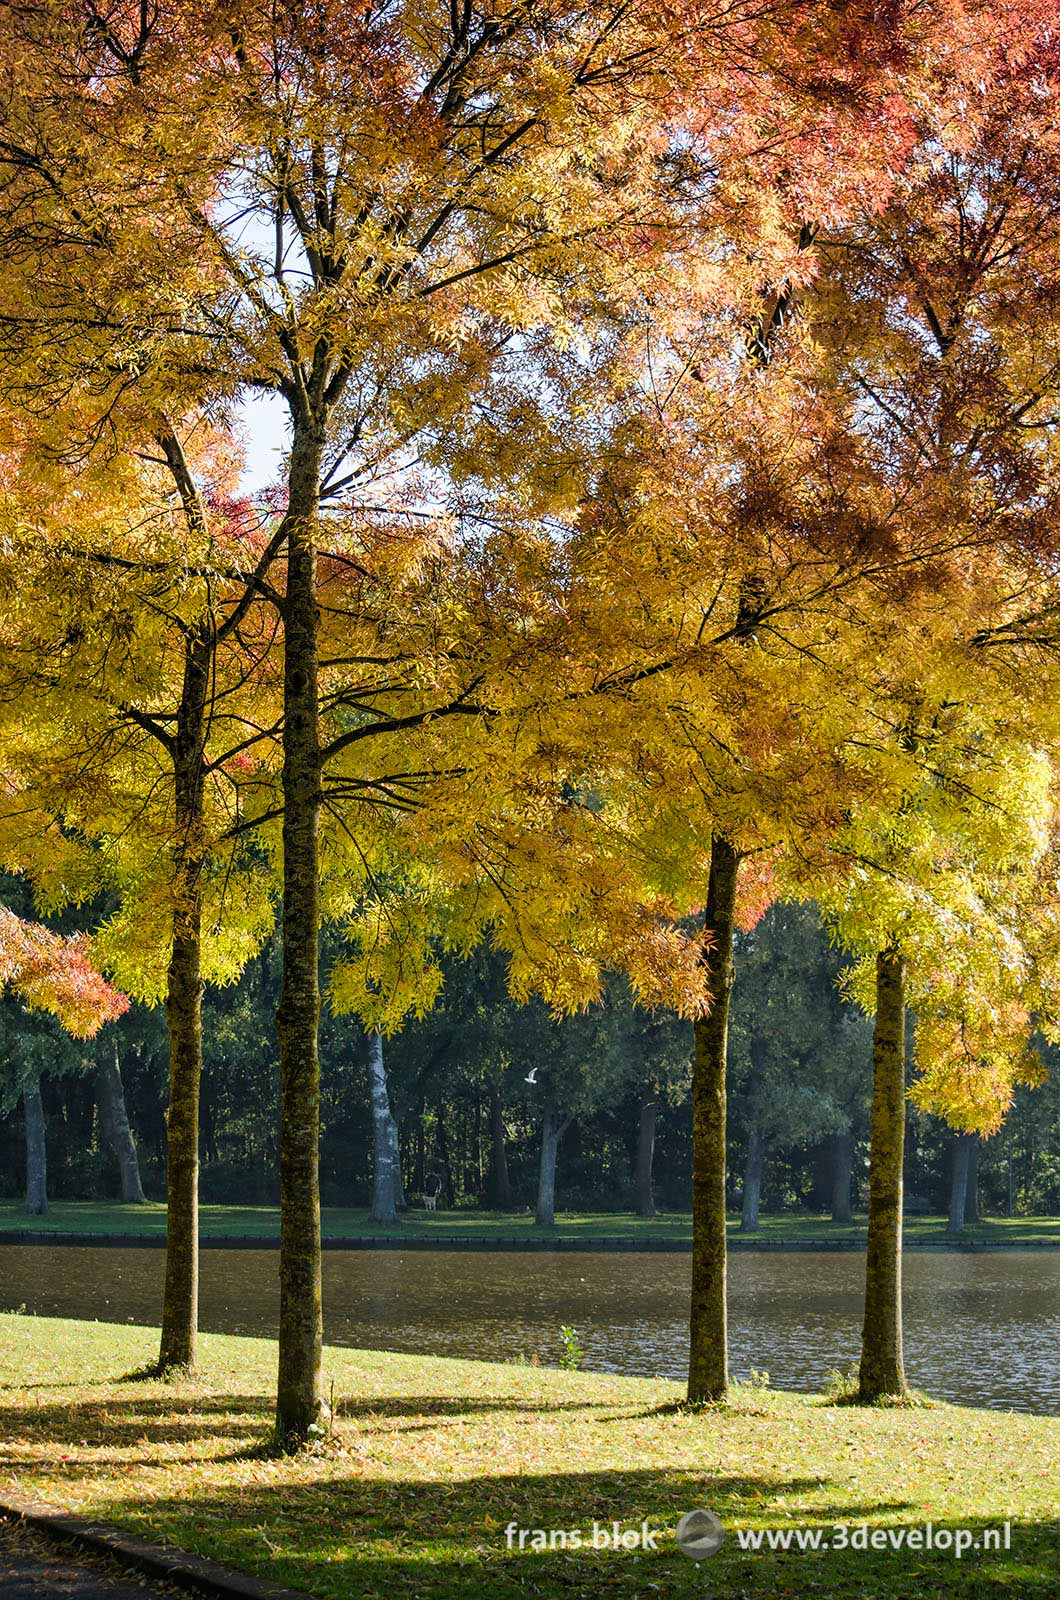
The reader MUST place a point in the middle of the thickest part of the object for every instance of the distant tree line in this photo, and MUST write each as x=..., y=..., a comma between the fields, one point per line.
x=606, y=1124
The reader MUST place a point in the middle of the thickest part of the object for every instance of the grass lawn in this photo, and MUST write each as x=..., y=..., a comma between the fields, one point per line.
x=262, y=1222
x=433, y=1458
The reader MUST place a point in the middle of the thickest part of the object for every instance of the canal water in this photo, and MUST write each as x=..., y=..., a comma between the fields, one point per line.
x=981, y=1328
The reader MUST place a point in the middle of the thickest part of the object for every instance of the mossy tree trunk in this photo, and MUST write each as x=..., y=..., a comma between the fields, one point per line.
x=299, y=1397
x=708, y=1364
x=882, y=1372
x=180, y=1297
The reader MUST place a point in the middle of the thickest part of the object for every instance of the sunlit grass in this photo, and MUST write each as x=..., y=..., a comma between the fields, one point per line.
x=432, y=1458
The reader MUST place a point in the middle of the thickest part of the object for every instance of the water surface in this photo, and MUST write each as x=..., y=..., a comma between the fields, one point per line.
x=981, y=1328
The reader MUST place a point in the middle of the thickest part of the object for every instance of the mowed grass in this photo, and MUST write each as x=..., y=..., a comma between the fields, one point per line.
x=96, y=1218
x=432, y=1459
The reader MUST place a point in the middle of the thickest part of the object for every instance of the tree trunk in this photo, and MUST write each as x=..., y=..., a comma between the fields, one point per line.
x=419, y=1172
x=384, y=1138
x=115, y=1121
x=299, y=1395
x=882, y=1366
x=180, y=1296
x=971, y=1204
x=552, y=1130
x=441, y=1141
x=500, y=1183
x=400, y=1199
x=752, y=1181
x=708, y=1364
x=36, y=1149
x=961, y=1156
x=842, y=1170
x=477, y=1184
x=644, y=1179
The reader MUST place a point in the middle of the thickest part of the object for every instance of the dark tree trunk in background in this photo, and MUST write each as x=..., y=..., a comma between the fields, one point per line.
x=882, y=1365
x=36, y=1150
x=480, y=1157
x=180, y=1295
x=960, y=1164
x=644, y=1181
x=114, y=1118
x=842, y=1155
x=400, y=1199
x=708, y=1364
x=553, y=1127
x=419, y=1172
x=460, y=1153
x=385, y=1171
x=299, y=1394
x=500, y=1188
x=971, y=1204
x=754, y=1167
x=441, y=1137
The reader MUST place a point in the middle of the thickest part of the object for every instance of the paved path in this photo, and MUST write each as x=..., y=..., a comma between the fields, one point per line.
x=32, y=1568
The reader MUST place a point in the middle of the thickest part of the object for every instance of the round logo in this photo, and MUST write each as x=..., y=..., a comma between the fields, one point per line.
x=699, y=1534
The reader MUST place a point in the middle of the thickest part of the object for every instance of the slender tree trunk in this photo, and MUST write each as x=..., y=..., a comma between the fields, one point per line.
x=399, y=1182
x=882, y=1365
x=478, y=1140
x=644, y=1178
x=115, y=1119
x=842, y=1154
x=180, y=1298
x=553, y=1128
x=708, y=1364
x=36, y=1149
x=299, y=1395
x=441, y=1139
x=971, y=1205
x=754, y=1167
x=500, y=1183
x=960, y=1164
x=384, y=1138
x=419, y=1172
x=180, y=1295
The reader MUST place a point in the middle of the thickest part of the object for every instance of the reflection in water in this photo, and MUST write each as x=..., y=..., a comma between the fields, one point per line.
x=983, y=1329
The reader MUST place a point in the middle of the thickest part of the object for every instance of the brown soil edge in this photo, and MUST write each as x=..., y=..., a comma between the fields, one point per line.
x=170, y=1565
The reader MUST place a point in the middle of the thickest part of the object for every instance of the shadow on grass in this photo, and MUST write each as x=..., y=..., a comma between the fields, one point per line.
x=193, y=1418
x=100, y=1423
x=348, y=1523
x=369, y=1536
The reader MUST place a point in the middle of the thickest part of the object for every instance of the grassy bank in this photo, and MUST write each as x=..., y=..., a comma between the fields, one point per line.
x=106, y=1218
x=432, y=1459
x=90, y=1218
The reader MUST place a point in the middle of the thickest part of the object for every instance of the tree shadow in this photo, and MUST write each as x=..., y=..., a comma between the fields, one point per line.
x=244, y=1419
x=101, y=1423
x=447, y=1539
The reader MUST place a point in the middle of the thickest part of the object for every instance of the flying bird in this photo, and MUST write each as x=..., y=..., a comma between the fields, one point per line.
x=532, y=1075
